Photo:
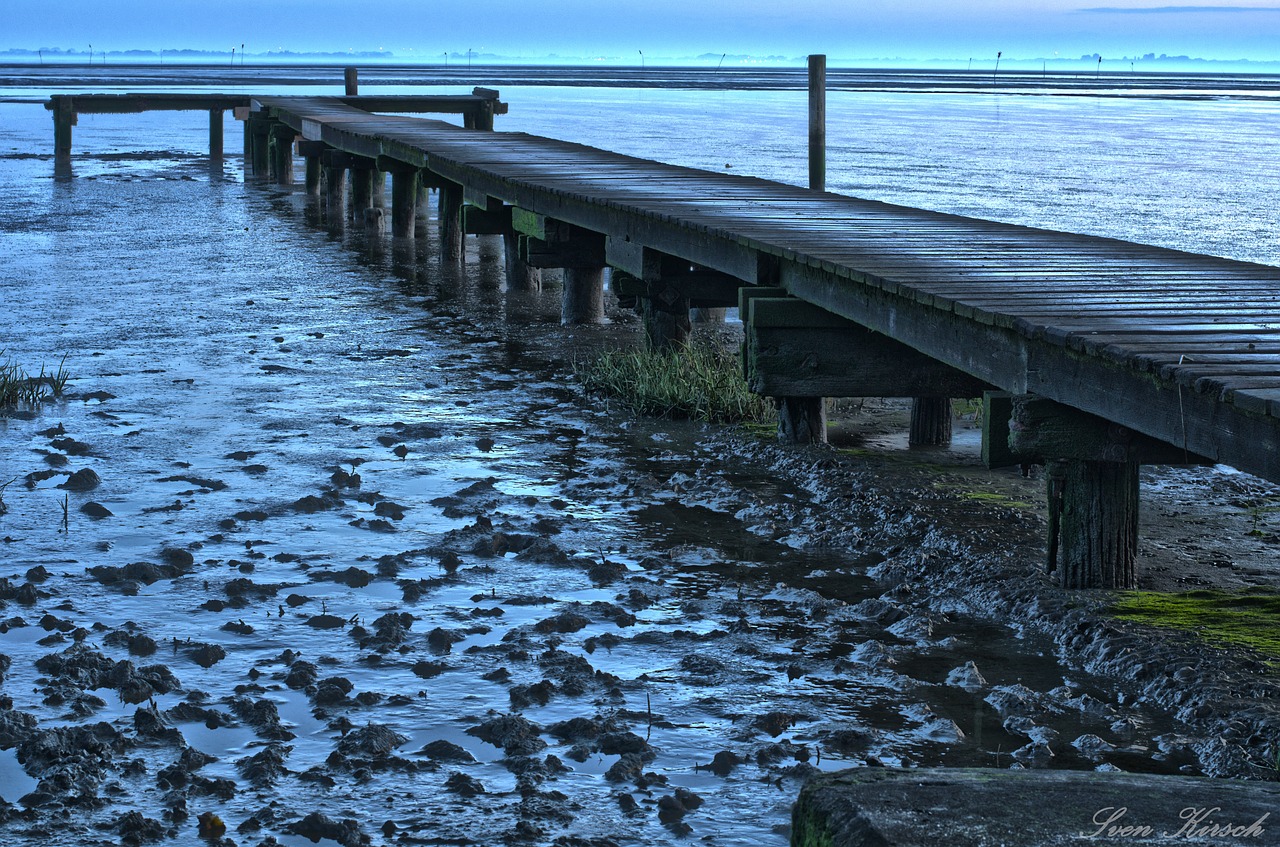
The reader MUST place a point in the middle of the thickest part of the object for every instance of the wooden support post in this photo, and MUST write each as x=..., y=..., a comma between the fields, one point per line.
x=351, y=76
x=64, y=118
x=482, y=119
x=930, y=422
x=802, y=420
x=1093, y=523
x=378, y=181
x=818, y=122
x=335, y=178
x=707, y=314
x=215, y=133
x=282, y=156
x=361, y=192
x=260, y=129
x=521, y=276
x=666, y=320
x=449, y=218
x=313, y=176
x=583, y=296
x=404, y=202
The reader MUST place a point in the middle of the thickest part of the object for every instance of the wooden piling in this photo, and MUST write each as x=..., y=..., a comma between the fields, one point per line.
x=260, y=129
x=215, y=133
x=930, y=422
x=335, y=178
x=64, y=118
x=404, y=202
x=361, y=192
x=802, y=420
x=582, y=300
x=282, y=153
x=351, y=76
x=666, y=321
x=1093, y=523
x=818, y=122
x=450, y=221
x=313, y=176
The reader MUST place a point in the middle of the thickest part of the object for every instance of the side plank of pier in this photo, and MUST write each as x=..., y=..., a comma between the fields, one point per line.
x=1096, y=355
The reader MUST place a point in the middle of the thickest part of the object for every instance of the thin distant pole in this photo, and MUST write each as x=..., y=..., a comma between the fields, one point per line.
x=721, y=62
x=818, y=122
x=468, y=58
x=1098, y=74
x=999, y=53
x=242, y=55
x=91, y=54
x=233, y=57
x=641, y=60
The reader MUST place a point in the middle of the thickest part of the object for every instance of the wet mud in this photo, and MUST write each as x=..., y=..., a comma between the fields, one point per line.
x=324, y=546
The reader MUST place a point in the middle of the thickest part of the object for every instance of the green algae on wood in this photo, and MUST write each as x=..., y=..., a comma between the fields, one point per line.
x=1249, y=618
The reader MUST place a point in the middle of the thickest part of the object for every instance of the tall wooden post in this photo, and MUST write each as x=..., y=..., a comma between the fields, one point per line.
x=351, y=77
x=313, y=176
x=818, y=122
x=64, y=117
x=450, y=220
x=404, y=202
x=361, y=191
x=336, y=181
x=582, y=300
x=282, y=138
x=1093, y=523
x=260, y=130
x=930, y=422
x=666, y=321
x=215, y=133
x=378, y=187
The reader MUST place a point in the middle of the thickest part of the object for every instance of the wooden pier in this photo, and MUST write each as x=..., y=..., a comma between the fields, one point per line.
x=1093, y=355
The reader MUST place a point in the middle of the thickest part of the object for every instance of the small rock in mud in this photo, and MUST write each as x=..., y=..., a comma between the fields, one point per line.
x=316, y=826
x=206, y=655
x=538, y=694
x=265, y=767
x=301, y=674
x=516, y=735
x=333, y=690
x=628, y=767
x=178, y=558
x=723, y=763
x=342, y=479
x=70, y=446
x=263, y=716
x=136, y=829
x=565, y=622
x=967, y=677
x=388, y=509
x=371, y=741
x=311, y=504
x=442, y=640
x=776, y=723
x=96, y=510
x=446, y=751
x=82, y=480
x=463, y=785
x=326, y=621
x=427, y=670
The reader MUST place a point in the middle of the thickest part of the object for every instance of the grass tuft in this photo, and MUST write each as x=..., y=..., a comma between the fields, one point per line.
x=1249, y=618
x=700, y=382
x=18, y=388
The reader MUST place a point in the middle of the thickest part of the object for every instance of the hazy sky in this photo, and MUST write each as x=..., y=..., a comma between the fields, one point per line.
x=853, y=28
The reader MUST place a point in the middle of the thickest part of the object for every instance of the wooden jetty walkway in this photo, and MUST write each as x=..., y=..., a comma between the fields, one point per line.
x=1093, y=355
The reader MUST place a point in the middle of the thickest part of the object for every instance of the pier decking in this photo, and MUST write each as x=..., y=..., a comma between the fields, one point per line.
x=1096, y=355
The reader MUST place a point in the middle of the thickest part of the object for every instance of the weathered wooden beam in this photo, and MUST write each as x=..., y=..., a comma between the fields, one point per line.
x=351, y=79
x=332, y=158
x=818, y=122
x=494, y=219
x=795, y=349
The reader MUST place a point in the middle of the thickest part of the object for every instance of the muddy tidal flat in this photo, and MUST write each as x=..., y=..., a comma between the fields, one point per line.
x=323, y=545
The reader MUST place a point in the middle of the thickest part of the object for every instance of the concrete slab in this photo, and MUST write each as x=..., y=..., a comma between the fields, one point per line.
x=882, y=807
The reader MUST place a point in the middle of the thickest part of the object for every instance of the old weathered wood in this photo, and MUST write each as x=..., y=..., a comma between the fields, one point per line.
x=216, y=131
x=450, y=221
x=818, y=122
x=351, y=79
x=64, y=118
x=1093, y=509
x=361, y=192
x=335, y=179
x=665, y=316
x=1042, y=430
x=582, y=300
x=404, y=202
x=521, y=276
x=282, y=153
x=260, y=131
x=312, y=176
x=930, y=422
x=796, y=349
x=802, y=420
x=997, y=412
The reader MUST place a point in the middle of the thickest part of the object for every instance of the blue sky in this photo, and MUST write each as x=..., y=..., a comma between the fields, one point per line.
x=912, y=29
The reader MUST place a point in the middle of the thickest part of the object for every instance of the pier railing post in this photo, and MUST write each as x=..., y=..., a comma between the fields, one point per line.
x=818, y=122
x=351, y=77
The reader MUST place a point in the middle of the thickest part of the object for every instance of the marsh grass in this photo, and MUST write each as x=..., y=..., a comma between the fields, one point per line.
x=701, y=382
x=18, y=388
x=1249, y=618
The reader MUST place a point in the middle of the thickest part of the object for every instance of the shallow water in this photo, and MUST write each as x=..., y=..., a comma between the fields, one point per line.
x=244, y=355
